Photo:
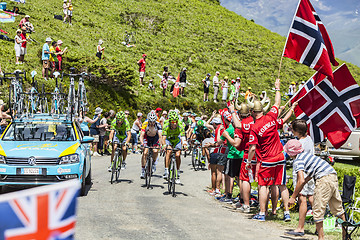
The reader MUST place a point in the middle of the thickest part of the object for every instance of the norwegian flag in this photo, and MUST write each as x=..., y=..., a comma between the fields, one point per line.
x=308, y=42
x=176, y=87
x=334, y=106
x=41, y=213
x=314, y=131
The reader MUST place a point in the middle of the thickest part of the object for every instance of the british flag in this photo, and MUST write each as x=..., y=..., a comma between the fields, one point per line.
x=308, y=42
x=41, y=213
x=334, y=106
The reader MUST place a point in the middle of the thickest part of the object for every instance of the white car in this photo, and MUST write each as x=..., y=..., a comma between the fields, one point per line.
x=350, y=149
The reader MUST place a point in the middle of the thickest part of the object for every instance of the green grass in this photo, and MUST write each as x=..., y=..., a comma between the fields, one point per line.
x=197, y=34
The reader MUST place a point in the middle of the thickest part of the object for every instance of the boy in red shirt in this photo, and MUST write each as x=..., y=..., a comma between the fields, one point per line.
x=142, y=65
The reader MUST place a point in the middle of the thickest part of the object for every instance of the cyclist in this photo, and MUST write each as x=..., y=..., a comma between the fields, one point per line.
x=200, y=133
x=119, y=134
x=150, y=137
x=174, y=137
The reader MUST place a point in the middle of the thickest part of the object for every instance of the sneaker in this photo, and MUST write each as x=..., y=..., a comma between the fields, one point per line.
x=220, y=197
x=153, y=168
x=177, y=181
x=226, y=200
x=96, y=154
x=245, y=209
x=142, y=175
x=287, y=217
x=258, y=217
x=166, y=175
x=237, y=205
x=123, y=166
x=109, y=169
x=91, y=152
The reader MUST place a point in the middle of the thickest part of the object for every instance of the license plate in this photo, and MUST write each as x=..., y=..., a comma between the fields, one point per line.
x=31, y=171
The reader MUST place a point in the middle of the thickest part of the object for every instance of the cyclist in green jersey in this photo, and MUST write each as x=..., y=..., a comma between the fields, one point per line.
x=174, y=138
x=119, y=133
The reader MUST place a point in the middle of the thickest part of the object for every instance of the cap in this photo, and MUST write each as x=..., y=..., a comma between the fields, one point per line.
x=184, y=69
x=164, y=113
x=249, y=88
x=126, y=112
x=226, y=77
x=293, y=147
x=59, y=42
x=27, y=16
x=233, y=81
x=98, y=110
x=101, y=41
x=158, y=109
x=208, y=74
x=293, y=83
x=139, y=114
x=19, y=30
x=48, y=39
x=217, y=73
x=197, y=118
x=144, y=55
x=238, y=78
x=216, y=121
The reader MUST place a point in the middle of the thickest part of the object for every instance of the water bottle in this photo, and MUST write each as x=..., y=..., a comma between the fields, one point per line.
x=251, y=176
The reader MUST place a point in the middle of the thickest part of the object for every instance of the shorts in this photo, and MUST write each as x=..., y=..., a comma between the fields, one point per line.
x=142, y=74
x=152, y=141
x=218, y=159
x=46, y=64
x=17, y=51
x=69, y=13
x=23, y=51
x=116, y=140
x=232, y=167
x=96, y=138
x=65, y=11
x=273, y=171
x=244, y=173
x=174, y=145
x=183, y=84
x=327, y=191
x=101, y=142
x=308, y=189
x=206, y=89
x=134, y=138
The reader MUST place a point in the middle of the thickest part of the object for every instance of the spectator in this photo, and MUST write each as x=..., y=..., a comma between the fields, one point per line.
x=237, y=86
x=151, y=85
x=216, y=85
x=135, y=130
x=102, y=128
x=248, y=93
x=54, y=62
x=301, y=84
x=84, y=120
x=163, y=118
x=95, y=132
x=45, y=58
x=127, y=113
x=292, y=89
x=326, y=187
x=60, y=53
x=65, y=10
x=225, y=88
x=70, y=11
x=4, y=115
x=142, y=65
x=100, y=50
x=164, y=83
x=182, y=82
x=18, y=42
x=1, y=73
x=232, y=90
x=158, y=112
x=23, y=21
x=23, y=45
x=206, y=82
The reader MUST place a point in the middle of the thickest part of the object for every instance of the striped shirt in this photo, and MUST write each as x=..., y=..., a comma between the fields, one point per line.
x=312, y=165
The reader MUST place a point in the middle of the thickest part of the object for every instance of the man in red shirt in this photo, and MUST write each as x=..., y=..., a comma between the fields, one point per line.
x=142, y=65
x=23, y=44
x=265, y=141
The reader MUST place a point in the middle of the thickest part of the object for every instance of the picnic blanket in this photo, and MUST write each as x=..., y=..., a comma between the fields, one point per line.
x=4, y=17
x=11, y=13
x=2, y=31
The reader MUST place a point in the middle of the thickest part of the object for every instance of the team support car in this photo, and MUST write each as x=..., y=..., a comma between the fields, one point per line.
x=43, y=150
x=350, y=149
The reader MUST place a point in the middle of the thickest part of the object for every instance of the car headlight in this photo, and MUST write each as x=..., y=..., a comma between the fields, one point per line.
x=69, y=159
x=2, y=159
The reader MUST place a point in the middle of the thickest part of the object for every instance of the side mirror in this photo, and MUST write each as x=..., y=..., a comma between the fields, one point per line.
x=87, y=139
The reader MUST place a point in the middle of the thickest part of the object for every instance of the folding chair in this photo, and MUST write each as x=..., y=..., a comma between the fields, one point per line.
x=350, y=206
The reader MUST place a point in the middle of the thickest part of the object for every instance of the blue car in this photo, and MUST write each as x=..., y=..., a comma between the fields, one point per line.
x=43, y=149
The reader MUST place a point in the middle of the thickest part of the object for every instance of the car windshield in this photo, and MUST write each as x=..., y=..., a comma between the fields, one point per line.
x=40, y=131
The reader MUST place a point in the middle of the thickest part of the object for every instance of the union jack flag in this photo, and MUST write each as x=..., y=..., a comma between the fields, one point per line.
x=41, y=213
x=308, y=41
x=334, y=107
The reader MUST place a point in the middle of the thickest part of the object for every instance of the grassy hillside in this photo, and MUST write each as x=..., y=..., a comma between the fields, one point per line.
x=197, y=34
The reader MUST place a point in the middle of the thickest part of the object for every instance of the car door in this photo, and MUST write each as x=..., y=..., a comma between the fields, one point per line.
x=86, y=148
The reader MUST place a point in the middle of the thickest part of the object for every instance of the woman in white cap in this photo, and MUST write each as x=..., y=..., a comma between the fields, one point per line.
x=60, y=53
x=18, y=42
x=135, y=130
x=65, y=10
x=100, y=49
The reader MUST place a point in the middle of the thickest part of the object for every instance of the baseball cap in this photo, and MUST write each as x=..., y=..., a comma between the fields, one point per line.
x=158, y=109
x=48, y=39
x=293, y=147
x=139, y=114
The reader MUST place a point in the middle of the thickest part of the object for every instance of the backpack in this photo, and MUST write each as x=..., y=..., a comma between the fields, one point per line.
x=59, y=17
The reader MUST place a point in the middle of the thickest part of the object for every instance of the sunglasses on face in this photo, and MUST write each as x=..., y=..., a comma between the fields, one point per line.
x=174, y=122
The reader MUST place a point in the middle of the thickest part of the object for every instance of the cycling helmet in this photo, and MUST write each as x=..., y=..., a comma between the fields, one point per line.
x=197, y=118
x=185, y=114
x=152, y=117
x=200, y=123
x=120, y=116
x=193, y=114
x=173, y=116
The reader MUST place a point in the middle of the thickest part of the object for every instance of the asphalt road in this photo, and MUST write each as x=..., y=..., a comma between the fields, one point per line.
x=127, y=210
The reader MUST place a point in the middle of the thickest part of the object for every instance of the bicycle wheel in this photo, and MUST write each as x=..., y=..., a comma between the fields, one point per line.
x=119, y=163
x=113, y=167
x=193, y=158
x=198, y=159
x=11, y=99
x=173, y=178
x=170, y=176
x=148, y=170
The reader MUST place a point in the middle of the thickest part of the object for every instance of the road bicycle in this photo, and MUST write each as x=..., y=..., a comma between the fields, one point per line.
x=33, y=97
x=172, y=171
x=129, y=38
x=197, y=158
x=57, y=105
x=149, y=166
x=116, y=163
x=16, y=95
x=81, y=94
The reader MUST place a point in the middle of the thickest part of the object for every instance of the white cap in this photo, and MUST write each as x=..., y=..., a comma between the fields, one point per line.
x=139, y=114
x=217, y=72
x=48, y=39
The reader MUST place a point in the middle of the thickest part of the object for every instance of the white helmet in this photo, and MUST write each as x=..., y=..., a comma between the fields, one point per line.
x=152, y=117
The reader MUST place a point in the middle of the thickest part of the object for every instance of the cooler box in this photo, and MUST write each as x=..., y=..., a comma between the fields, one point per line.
x=3, y=5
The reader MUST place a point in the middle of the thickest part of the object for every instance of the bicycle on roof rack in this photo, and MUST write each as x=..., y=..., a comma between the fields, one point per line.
x=57, y=104
x=33, y=97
